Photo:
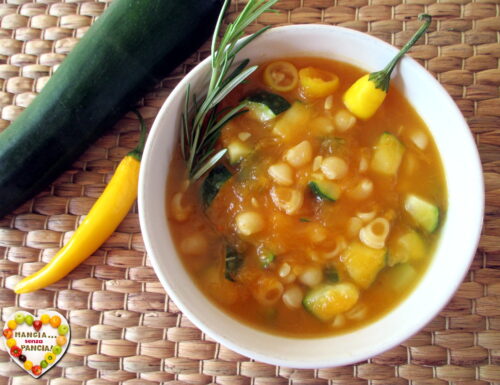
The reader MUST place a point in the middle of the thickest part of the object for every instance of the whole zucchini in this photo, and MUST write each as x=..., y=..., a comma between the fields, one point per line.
x=129, y=48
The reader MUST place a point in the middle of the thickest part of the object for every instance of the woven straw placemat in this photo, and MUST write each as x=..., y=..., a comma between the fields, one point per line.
x=125, y=329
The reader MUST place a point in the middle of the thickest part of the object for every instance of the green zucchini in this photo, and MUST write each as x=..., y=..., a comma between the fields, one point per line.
x=331, y=274
x=237, y=151
x=213, y=183
x=233, y=263
x=325, y=189
x=400, y=276
x=408, y=247
x=266, y=258
x=328, y=300
x=265, y=106
x=388, y=154
x=132, y=46
x=424, y=213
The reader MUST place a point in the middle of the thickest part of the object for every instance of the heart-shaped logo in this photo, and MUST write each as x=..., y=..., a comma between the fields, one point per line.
x=36, y=344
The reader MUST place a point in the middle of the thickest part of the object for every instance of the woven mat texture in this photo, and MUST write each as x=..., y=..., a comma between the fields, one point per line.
x=125, y=329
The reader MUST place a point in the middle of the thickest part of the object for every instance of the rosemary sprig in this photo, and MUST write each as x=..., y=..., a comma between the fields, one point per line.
x=201, y=121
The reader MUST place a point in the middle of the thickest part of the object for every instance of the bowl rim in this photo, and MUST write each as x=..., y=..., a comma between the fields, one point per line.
x=326, y=362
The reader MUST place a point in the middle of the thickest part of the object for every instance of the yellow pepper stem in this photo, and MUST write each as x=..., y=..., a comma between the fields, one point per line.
x=137, y=151
x=102, y=220
x=382, y=78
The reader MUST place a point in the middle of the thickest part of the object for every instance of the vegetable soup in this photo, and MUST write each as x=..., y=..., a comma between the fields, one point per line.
x=314, y=222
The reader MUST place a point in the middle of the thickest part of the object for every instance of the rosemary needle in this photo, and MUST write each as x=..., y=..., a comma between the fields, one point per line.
x=201, y=121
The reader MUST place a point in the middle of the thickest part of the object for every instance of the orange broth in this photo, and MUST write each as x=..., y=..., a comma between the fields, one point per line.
x=315, y=236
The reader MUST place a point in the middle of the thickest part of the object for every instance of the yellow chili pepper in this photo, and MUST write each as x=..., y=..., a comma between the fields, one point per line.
x=281, y=76
x=316, y=83
x=102, y=220
x=366, y=95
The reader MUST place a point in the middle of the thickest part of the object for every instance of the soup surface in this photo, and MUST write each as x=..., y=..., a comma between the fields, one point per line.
x=315, y=223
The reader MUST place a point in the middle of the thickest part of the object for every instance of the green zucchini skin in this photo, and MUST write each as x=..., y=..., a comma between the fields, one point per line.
x=132, y=46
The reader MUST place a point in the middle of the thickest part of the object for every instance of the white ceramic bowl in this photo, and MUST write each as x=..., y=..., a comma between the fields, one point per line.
x=460, y=232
